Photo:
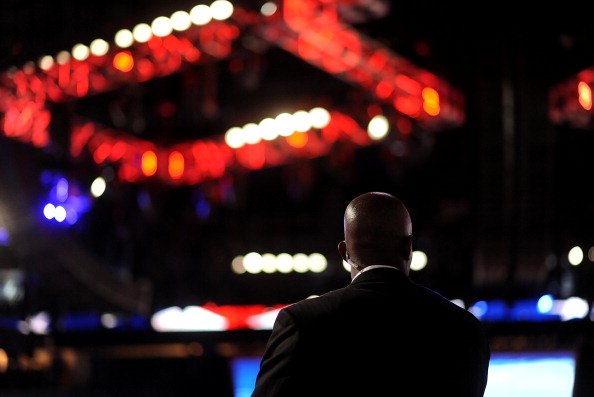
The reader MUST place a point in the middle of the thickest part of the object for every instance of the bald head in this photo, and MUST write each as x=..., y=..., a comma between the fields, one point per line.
x=377, y=230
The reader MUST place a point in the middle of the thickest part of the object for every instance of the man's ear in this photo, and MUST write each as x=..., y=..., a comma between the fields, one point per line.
x=342, y=250
x=407, y=247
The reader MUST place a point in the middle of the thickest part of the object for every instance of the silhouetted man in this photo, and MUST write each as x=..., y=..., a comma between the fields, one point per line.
x=381, y=335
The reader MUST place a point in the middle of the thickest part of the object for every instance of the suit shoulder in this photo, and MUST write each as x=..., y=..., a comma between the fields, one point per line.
x=444, y=303
x=318, y=305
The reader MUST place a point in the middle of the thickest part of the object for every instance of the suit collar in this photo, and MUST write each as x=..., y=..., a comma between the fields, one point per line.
x=373, y=273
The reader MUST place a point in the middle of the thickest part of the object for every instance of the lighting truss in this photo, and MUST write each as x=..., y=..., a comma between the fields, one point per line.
x=312, y=30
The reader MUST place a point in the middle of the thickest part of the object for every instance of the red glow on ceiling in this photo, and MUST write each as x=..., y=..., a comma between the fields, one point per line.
x=26, y=121
x=252, y=157
x=101, y=153
x=374, y=110
x=117, y=151
x=408, y=85
x=404, y=125
x=80, y=75
x=198, y=161
x=128, y=173
x=166, y=109
x=310, y=29
x=384, y=89
x=570, y=102
x=411, y=106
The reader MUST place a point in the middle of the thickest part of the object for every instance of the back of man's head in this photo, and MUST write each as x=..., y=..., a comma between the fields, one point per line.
x=377, y=229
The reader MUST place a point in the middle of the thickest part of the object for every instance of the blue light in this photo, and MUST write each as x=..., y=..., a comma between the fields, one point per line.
x=530, y=310
x=144, y=199
x=201, y=206
x=203, y=209
x=71, y=217
x=4, y=236
x=49, y=210
x=60, y=214
x=495, y=310
x=523, y=374
x=10, y=322
x=62, y=190
x=80, y=322
x=133, y=322
x=545, y=304
x=479, y=309
x=244, y=371
x=46, y=177
x=62, y=206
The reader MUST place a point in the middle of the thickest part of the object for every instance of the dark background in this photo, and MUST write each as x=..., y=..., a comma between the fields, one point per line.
x=496, y=203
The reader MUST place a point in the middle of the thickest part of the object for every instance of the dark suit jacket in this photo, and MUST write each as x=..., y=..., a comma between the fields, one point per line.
x=382, y=335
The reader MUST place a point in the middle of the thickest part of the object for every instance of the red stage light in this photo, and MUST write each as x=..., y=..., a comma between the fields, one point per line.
x=411, y=106
x=149, y=163
x=570, y=102
x=585, y=95
x=384, y=89
x=40, y=138
x=123, y=61
x=64, y=75
x=101, y=153
x=297, y=139
x=407, y=85
x=117, y=151
x=430, y=101
x=176, y=165
x=146, y=70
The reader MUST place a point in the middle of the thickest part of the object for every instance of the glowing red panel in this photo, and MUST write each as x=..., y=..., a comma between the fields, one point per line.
x=40, y=136
x=251, y=156
x=411, y=106
x=80, y=76
x=118, y=150
x=408, y=85
x=384, y=89
x=101, y=153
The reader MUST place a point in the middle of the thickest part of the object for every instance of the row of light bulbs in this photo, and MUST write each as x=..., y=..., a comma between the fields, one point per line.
x=254, y=263
x=161, y=26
